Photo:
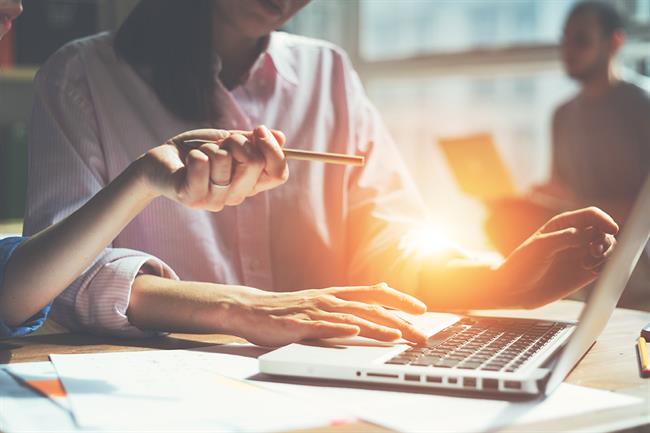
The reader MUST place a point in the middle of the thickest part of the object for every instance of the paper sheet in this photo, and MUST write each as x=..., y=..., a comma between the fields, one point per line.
x=414, y=412
x=401, y=411
x=178, y=390
x=42, y=377
x=418, y=412
x=24, y=410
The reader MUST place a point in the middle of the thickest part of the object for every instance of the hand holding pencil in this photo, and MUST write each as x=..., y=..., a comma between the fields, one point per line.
x=217, y=168
x=307, y=155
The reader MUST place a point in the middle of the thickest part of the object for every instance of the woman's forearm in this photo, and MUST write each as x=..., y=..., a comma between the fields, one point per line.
x=181, y=306
x=47, y=263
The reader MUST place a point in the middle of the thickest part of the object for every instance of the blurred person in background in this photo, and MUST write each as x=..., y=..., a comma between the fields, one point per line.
x=600, y=139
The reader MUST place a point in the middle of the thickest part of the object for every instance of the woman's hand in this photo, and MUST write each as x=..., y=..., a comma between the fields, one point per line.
x=230, y=167
x=563, y=256
x=272, y=318
x=276, y=319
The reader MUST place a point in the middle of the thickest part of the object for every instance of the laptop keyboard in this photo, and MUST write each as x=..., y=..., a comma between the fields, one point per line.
x=490, y=344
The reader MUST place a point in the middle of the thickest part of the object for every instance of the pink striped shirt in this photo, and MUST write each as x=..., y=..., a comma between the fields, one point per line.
x=328, y=225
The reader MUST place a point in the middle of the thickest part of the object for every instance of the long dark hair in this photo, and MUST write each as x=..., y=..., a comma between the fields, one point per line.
x=170, y=44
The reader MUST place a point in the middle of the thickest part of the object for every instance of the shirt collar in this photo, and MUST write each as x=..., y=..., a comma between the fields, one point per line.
x=275, y=49
x=280, y=56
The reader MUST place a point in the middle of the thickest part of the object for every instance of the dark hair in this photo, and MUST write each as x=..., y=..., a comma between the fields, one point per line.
x=608, y=17
x=169, y=43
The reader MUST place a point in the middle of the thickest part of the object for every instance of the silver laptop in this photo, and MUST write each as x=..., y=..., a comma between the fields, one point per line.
x=481, y=354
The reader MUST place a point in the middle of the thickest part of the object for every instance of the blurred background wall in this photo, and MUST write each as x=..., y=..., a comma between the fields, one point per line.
x=434, y=69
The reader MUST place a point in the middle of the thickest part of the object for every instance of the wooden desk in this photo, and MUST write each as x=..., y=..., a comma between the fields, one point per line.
x=611, y=364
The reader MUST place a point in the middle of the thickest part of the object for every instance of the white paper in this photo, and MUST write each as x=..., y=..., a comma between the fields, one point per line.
x=24, y=410
x=427, y=412
x=37, y=371
x=401, y=411
x=178, y=390
x=417, y=412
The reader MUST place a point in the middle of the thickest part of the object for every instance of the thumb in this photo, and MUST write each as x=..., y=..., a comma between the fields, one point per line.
x=560, y=240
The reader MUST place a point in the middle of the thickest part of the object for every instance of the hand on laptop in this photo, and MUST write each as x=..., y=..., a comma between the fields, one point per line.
x=234, y=165
x=564, y=255
x=276, y=319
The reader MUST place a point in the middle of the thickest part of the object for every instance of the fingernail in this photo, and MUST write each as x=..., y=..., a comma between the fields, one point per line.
x=266, y=133
x=598, y=250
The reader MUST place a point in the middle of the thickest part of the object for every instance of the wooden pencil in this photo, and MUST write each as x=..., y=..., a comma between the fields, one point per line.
x=308, y=155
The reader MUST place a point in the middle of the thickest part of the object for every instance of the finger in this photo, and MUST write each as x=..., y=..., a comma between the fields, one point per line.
x=367, y=328
x=200, y=134
x=219, y=177
x=276, y=170
x=271, y=149
x=316, y=329
x=220, y=163
x=195, y=187
x=582, y=219
x=383, y=295
x=279, y=136
x=598, y=253
x=380, y=315
x=249, y=164
x=554, y=242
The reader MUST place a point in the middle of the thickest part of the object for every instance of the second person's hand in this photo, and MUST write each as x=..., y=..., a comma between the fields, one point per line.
x=564, y=255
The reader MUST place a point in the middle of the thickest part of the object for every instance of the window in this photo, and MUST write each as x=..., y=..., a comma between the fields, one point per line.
x=444, y=68
x=424, y=27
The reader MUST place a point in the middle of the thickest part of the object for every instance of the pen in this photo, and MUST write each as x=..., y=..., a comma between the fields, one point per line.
x=642, y=346
x=308, y=155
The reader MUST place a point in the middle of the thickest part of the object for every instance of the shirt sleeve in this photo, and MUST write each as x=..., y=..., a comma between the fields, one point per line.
x=385, y=209
x=66, y=168
x=7, y=248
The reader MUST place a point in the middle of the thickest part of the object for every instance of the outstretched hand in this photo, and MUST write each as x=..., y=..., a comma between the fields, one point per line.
x=563, y=256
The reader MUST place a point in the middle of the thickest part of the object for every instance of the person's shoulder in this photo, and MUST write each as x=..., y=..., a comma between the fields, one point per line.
x=564, y=108
x=303, y=46
x=67, y=63
x=635, y=93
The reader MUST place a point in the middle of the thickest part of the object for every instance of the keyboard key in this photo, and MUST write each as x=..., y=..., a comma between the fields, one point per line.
x=445, y=363
x=470, y=365
x=491, y=368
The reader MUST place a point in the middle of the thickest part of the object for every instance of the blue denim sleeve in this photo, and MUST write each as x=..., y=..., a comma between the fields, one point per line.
x=7, y=247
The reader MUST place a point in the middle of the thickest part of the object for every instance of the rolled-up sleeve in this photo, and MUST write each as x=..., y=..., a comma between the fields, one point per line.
x=66, y=168
x=97, y=301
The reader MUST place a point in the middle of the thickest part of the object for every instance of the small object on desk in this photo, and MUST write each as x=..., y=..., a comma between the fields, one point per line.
x=308, y=155
x=642, y=346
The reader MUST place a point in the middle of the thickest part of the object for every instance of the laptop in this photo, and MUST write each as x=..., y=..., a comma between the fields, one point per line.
x=478, y=167
x=475, y=353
